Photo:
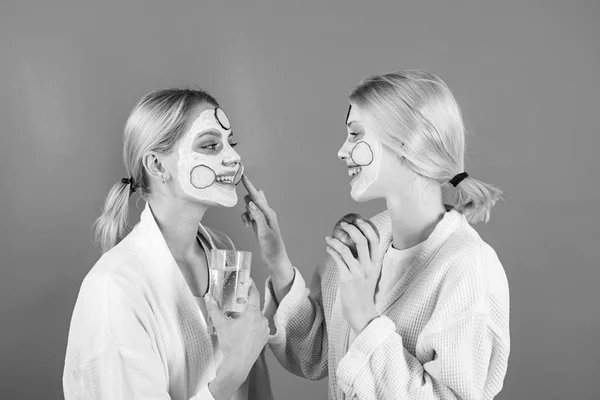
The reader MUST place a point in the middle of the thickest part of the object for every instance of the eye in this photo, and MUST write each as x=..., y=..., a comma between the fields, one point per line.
x=233, y=144
x=212, y=146
x=354, y=136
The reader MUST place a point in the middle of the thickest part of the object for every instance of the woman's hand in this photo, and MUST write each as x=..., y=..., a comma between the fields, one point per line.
x=264, y=223
x=358, y=276
x=241, y=341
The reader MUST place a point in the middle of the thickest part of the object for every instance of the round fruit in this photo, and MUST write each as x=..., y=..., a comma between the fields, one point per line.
x=344, y=237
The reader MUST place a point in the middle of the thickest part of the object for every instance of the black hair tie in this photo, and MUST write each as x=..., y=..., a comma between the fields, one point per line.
x=129, y=181
x=458, y=178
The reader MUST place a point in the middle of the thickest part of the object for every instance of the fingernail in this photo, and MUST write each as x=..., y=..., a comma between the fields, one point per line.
x=343, y=224
x=253, y=206
x=360, y=221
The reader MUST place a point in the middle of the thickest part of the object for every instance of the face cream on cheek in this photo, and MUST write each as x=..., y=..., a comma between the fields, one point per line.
x=202, y=177
x=369, y=172
x=198, y=172
x=361, y=154
x=365, y=155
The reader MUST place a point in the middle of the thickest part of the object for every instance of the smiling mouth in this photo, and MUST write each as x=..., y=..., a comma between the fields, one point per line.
x=225, y=179
x=354, y=170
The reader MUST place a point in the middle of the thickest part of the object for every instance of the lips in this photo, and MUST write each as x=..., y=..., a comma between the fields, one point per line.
x=225, y=179
x=354, y=170
x=230, y=177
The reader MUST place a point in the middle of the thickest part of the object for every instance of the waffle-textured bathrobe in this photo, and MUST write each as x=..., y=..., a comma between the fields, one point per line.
x=138, y=332
x=443, y=330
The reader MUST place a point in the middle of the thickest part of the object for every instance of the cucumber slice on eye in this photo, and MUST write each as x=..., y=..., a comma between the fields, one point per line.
x=202, y=177
x=361, y=154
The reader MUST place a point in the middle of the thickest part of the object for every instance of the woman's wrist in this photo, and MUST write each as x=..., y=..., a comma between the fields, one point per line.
x=224, y=386
x=364, y=321
x=219, y=390
x=282, y=277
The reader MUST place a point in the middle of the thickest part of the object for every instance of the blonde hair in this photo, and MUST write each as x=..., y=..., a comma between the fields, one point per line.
x=418, y=117
x=156, y=123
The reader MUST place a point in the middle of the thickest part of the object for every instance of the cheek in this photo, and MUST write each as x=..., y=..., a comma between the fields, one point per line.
x=202, y=177
x=192, y=160
x=362, y=154
x=172, y=163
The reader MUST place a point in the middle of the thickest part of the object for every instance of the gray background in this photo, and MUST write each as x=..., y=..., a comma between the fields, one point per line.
x=524, y=72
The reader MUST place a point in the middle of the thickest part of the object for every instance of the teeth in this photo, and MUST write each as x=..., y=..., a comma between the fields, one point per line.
x=225, y=179
x=354, y=171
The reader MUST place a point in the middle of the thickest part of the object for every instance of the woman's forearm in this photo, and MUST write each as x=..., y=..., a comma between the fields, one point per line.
x=282, y=278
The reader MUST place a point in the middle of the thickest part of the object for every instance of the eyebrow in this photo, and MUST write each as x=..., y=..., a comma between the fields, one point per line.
x=213, y=133
x=352, y=122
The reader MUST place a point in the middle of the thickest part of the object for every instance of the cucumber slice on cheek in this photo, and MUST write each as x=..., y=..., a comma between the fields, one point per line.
x=202, y=177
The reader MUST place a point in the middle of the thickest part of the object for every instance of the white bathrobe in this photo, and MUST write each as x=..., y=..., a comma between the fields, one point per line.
x=443, y=330
x=137, y=331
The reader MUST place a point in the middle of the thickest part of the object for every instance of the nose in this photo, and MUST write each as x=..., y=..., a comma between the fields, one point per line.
x=232, y=158
x=344, y=152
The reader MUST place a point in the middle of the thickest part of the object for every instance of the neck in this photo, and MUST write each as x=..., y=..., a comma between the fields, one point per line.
x=179, y=225
x=413, y=219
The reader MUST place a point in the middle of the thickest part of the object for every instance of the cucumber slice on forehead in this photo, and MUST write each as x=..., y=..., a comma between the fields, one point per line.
x=202, y=177
x=362, y=154
x=347, y=115
x=222, y=119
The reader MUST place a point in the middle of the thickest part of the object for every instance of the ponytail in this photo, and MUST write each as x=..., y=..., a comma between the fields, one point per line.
x=110, y=228
x=475, y=199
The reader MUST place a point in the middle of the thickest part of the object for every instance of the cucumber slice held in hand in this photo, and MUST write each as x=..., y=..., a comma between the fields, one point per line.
x=343, y=237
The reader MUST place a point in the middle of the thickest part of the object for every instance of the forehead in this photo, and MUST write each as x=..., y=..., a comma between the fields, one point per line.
x=203, y=117
x=356, y=115
x=199, y=109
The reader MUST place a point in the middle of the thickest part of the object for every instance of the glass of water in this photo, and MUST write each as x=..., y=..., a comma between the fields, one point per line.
x=229, y=282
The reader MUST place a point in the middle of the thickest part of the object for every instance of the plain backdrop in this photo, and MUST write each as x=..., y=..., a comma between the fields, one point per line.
x=526, y=74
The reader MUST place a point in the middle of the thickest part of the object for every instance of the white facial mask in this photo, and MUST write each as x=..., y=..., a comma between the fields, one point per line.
x=365, y=153
x=369, y=172
x=210, y=177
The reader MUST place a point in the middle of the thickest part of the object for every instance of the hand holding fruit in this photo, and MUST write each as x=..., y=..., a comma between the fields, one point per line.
x=342, y=236
x=359, y=272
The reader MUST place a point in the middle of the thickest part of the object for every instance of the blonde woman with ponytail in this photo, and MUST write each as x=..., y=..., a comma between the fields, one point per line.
x=139, y=330
x=422, y=310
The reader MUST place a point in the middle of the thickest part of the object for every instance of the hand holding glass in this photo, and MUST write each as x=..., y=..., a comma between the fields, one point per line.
x=229, y=282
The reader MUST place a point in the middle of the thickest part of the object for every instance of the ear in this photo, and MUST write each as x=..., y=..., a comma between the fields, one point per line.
x=155, y=166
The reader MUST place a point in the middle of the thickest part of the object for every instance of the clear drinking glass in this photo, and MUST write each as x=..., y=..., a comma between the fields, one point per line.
x=229, y=282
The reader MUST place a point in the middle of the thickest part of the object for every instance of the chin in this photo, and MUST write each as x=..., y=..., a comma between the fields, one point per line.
x=229, y=203
x=222, y=203
x=361, y=197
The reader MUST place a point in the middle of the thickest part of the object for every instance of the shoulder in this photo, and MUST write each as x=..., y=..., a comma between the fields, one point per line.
x=473, y=268
x=468, y=252
x=118, y=274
